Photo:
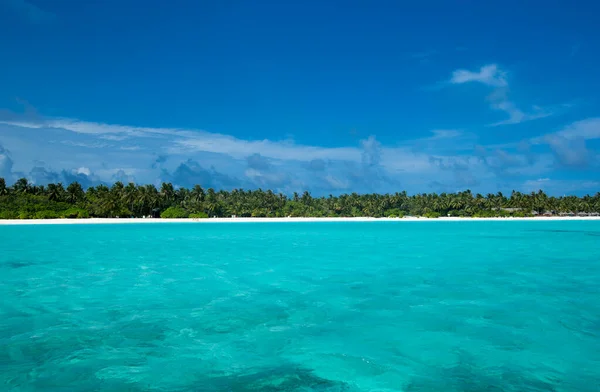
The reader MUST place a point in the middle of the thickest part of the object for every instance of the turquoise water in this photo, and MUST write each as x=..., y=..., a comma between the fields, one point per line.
x=374, y=306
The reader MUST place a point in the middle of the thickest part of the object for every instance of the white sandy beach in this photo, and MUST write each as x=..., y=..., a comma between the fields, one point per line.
x=278, y=220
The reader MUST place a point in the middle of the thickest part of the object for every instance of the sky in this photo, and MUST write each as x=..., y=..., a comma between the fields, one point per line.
x=327, y=96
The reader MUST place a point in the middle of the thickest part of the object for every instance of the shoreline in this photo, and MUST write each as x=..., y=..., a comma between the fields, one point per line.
x=277, y=220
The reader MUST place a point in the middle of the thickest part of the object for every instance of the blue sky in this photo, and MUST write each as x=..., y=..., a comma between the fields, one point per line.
x=329, y=96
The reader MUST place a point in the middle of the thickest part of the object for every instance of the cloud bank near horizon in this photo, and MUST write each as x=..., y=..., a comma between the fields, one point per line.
x=65, y=150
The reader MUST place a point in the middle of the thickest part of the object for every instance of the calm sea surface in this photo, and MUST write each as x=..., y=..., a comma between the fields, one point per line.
x=372, y=306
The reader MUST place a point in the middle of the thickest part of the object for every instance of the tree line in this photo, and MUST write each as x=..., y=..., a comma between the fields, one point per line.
x=24, y=200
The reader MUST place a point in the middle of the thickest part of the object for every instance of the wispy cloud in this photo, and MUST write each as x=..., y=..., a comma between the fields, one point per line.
x=445, y=134
x=569, y=144
x=86, y=145
x=490, y=75
x=588, y=129
x=189, y=141
x=499, y=101
x=493, y=76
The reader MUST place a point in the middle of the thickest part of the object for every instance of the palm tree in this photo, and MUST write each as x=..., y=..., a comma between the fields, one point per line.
x=21, y=186
x=148, y=199
x=117, y=189
x=105, y=201
x=75, y=193
x=3, y=188
x=129, y=196
x=110, y=204
x=182, y=195
x=306, y=198
x=167, y=194
x=197, y=194
x=517, y=200
x=211, y=203
x=54, y=193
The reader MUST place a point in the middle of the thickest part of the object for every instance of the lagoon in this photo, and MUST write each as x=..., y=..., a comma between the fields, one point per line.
x=302, y=306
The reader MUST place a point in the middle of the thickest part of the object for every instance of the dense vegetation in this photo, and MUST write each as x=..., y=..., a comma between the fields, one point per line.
x=26, y=201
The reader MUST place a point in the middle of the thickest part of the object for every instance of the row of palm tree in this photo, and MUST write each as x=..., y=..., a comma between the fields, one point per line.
x=141, y=200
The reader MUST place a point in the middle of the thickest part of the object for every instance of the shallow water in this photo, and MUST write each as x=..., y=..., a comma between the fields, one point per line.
x=391, y=306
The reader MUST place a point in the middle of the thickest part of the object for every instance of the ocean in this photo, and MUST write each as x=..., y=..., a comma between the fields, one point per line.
x=353, y=306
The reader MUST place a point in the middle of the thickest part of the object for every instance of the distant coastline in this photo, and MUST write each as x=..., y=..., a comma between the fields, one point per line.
x=24, y=202
x=277, y=220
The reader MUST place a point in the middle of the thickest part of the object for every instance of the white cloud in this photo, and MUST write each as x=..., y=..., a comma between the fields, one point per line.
x=85, y=145
x=188, y=141
x=490, y=75
x=226, y=152
x=222, y=160
x=569, y=143
x=83, y=170
x=114, y=137
x=499, y=101
x=108, y=131
x=6, y=164
x=445, y=134
x=587, y=129
x=238, y=148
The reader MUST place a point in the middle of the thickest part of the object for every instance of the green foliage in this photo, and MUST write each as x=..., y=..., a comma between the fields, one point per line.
x=199, y=215
x=490, y=214
x=356, y=212
x=174, y=213
x=457, y=213
x=3, y=188
x=260, y=213
x=46, y=215
x=9, y=215
x=75, y=213
x=394, y=213
x=74, y=193
x=521, y=214
x=317, y=214
x=27, y=201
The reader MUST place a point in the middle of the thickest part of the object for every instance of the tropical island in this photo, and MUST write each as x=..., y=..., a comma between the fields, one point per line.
x=24, y=200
